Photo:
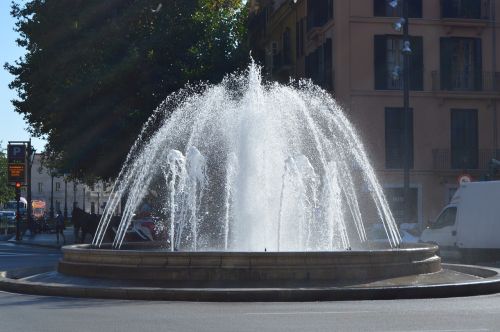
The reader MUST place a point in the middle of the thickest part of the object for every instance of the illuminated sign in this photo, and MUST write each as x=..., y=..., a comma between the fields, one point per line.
x=16, y=173
x=16, y=153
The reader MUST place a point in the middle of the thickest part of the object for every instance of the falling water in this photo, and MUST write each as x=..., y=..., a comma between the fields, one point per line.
x=248, y=166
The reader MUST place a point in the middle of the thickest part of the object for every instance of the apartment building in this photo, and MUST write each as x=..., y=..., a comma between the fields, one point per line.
x=49, y=186
x=352, y=49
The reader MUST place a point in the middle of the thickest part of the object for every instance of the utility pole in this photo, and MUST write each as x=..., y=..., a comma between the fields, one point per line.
x=29, y=208
x=51, y=195
x=402, y=24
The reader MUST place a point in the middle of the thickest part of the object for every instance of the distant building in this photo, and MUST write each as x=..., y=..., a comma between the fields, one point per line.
x=65, y=194
x=351, y=49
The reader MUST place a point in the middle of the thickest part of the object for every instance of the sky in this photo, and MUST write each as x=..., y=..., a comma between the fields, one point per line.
x=12, y=125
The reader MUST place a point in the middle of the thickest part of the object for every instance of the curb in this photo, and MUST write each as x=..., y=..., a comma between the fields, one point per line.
x=42, y=245
x=488, y=285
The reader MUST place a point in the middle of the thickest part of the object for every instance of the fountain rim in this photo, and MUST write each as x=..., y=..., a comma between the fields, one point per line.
x=106, y=248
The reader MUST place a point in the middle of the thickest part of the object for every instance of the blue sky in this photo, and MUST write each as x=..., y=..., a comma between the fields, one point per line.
x=12, y=125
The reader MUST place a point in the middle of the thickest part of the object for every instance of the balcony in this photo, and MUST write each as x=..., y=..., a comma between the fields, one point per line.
x=488, y=82
x=465, y=9
x=465, y=159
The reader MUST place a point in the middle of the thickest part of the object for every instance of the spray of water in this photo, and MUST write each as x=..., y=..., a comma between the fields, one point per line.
x=249, y=166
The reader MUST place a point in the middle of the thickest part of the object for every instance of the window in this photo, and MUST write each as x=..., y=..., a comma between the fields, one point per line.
x=319, y=66
x=382, y=8
x=40, y=187
x=388, y=63
x=58, y=206
x=461, y=9
x=58, y=186
x=318, y=13
x=394, y=138
x=461, y=64
x=446, y=218
x=464, y=139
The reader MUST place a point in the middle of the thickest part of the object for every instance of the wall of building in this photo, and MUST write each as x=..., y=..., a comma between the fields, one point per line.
x=352, y=29
x=85, y=196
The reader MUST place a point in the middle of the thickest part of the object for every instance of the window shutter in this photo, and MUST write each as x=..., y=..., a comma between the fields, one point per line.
x=330, y=9
x=380, y=62
x=478, y=65
x=417, y=64
x=471, y=9
x=415, y=8
x=328, y=64
x=394, y=137
x=446, y=8
x=379, y=7
x=446, y=45
x=464, y=139
x=297, y=40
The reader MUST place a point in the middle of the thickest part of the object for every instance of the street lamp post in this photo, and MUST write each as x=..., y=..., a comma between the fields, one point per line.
x=51, y=195
x=74, y=195
x=406, y=105
x=65, y=197
x=29, y=208
x=83, y=198
x=402, y=24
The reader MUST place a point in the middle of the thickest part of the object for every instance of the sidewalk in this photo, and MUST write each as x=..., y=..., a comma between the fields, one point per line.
x=46, y=240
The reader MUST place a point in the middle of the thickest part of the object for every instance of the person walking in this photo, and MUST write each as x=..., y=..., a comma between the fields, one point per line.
x=60, y=226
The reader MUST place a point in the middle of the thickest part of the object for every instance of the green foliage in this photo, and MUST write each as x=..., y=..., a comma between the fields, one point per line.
x=6, y=191
x=95, y=70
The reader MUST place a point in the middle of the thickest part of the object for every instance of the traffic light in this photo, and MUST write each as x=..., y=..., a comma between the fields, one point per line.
x=18, y=191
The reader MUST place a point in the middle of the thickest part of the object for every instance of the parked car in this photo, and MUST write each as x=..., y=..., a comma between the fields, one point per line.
x=10, y=216
x=468, y=227
x=376, y=233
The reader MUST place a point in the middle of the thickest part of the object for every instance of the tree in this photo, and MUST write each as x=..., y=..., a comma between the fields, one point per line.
x=95, y=70
x=6, y=191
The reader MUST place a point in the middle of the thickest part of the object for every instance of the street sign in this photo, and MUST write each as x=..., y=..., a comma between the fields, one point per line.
x=464, y=178
x=16, y=156
x=16, y=153
x=16, y=173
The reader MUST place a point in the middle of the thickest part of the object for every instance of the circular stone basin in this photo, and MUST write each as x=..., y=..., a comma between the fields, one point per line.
x=147, y=263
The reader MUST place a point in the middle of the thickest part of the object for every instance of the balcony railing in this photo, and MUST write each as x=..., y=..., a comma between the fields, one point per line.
x=466, y=81
x=465, y=9
x=462, y=159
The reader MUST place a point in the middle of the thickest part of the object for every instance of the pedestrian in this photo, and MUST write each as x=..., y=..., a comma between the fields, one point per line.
x=60, y=226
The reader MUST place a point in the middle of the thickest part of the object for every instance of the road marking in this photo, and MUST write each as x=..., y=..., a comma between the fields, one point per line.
x=309, y=312
x=473, y=330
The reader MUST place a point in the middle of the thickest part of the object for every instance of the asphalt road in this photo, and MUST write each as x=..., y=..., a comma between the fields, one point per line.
x=38, y=313
x=14, y=256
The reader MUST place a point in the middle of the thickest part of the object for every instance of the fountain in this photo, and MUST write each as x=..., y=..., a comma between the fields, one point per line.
x=248, y=174
x=247, y=166
x=259, y=191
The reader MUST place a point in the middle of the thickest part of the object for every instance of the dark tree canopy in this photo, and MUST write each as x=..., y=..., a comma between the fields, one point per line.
x=95, y=70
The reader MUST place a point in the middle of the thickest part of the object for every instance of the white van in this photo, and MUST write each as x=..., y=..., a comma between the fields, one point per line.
x=470, y=224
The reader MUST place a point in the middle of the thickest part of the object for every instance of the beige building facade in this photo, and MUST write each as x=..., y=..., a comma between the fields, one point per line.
x=64, y=193
x=352, y=49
